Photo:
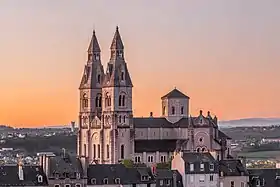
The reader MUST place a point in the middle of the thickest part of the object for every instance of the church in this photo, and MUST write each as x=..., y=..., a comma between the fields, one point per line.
x=108, y=131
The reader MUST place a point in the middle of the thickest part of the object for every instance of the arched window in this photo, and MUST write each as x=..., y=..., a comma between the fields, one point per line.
x=198, y=149
x=122, y=151
x=94, y=151
x=98, y=78
x=98, y=101
x=123, y=100
x=85, y=101
x=108, y=151
x=182, y=110
x=120, y=119
x=203, y=150
x=173, y=110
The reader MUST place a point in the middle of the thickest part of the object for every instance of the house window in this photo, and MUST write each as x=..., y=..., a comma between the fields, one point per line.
x=122, y=151
x=78, y=185
x=124, y=119
x=191, y=167
x=162, y=159
x=105, y=181
x=221, y=184
x=211, y=166
x=117, y=180
x=56, y=185
x=191, y=178
x=201, y=178
x=182, y=110
x=67, y=185
x=150, y=159
x=98, y=151
x=242, y=184
x=201, y=167
x=161, y=182
x=108, y=150
x=167, y=182
x=173, y=110
x=40, y=178
x=78, y=176
x=211, y=178
x=93, y=181
x=231, y=183
x=94, y=151
x=120, y=119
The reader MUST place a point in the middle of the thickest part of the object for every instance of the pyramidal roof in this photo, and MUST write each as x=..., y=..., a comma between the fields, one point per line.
x=94, y=45
x=117, y=41
x=175, y=94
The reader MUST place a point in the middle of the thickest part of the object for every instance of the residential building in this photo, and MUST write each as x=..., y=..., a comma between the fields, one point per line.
x=264, y=177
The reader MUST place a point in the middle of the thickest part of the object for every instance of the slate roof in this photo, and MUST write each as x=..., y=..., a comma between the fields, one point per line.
x=118, y=171
x=65, y=167
x=223, y=135
x=167, y=174
x=9, y=176
x=153, y=122
x=155, y=145
x=175, y=94
x=266, y=177
x=232, y=168
x=194, y=157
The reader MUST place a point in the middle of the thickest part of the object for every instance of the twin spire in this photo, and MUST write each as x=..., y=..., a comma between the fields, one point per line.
x=117, y=46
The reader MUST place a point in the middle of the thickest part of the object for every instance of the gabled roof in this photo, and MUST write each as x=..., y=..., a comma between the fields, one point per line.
x=175, y=94
x=9, y=176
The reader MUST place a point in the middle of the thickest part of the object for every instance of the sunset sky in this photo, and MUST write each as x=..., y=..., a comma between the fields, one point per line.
x=224, y=54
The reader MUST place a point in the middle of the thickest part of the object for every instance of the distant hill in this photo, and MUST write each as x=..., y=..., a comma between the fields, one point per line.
x=247, y=122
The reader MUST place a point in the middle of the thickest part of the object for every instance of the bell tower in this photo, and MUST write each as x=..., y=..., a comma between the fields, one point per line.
x=90, y=95
x=117, y=105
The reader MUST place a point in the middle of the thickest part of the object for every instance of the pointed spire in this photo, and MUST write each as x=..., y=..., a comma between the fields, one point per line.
x=94, y=45
x=117, y=43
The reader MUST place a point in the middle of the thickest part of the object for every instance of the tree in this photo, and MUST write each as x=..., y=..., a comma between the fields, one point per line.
x=127, y=163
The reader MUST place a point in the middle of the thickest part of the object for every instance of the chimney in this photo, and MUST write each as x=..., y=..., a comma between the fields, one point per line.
x=84, y=162
x=151, y=114
x=20, y=171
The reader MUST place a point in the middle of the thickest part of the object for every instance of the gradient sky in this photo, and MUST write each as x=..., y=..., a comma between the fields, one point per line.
x=223, y=54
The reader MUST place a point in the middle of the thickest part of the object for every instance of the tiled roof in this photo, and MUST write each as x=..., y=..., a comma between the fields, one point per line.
x=9, y=176
x=175, y=94
x=112, y=172
x=232, y=168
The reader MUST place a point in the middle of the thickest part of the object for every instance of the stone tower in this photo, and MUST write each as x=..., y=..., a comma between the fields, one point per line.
x=90, y=96
x=117, y=106
x=175, y=105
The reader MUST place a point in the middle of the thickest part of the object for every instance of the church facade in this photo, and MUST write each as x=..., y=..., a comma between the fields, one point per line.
x=108, y=131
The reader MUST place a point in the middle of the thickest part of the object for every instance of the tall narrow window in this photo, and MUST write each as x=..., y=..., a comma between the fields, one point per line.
x=94, y=151
x=173, y=110
x=182, y=110
x=98, y=150
x=122, y=76
x=96, y=101
x=100, y=101
x=108, y=151
x=120, y=119
x=123, y=100
x=99, y=78
x=120, y=100
x=124, y=119
x=122, y=151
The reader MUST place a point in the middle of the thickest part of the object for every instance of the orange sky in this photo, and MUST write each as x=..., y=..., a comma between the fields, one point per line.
x=225, y=56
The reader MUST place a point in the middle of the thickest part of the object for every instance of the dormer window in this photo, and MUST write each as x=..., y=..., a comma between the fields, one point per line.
x=173, y=110
x=211, y=167
x=93, y=181
x=105, y=181
x=117, y=180
x=201, y=167
x=78, y=176
x=40, y=178
x=144, y=178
